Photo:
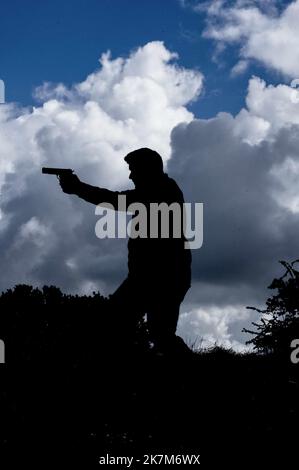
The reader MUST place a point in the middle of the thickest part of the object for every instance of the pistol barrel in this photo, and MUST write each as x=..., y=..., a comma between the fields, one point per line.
x=57, y=171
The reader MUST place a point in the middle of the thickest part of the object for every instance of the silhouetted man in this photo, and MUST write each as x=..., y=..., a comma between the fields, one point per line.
x=159, y=268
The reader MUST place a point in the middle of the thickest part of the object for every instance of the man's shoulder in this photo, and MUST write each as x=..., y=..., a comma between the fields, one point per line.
x=173, y=187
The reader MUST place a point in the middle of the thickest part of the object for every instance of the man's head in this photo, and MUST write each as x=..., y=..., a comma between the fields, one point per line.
x=145, y=165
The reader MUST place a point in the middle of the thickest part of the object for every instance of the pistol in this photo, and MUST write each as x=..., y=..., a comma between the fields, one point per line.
x=57, y=171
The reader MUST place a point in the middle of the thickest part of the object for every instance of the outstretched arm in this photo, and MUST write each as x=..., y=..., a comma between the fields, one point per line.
x=71, y=184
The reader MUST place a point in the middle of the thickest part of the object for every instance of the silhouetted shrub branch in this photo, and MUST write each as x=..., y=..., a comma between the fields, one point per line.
x=279, y=324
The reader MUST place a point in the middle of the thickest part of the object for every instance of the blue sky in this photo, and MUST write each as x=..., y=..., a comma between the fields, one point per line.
x=61, y=41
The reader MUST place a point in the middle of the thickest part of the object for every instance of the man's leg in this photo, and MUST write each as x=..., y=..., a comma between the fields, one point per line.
x=126, y=305
x=162, y=318
x=163, y=315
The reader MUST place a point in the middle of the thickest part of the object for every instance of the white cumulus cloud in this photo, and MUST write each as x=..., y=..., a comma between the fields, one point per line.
x=125, y=104
x=245, y=171
x=262, y=31
x=205, y=327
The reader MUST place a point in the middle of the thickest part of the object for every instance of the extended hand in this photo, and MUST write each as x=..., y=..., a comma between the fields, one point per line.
x=69, y=183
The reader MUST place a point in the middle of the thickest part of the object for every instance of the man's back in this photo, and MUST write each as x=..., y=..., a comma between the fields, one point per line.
x=160, y=259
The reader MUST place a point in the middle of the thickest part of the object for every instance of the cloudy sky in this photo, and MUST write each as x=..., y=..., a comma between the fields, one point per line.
x=211, y=85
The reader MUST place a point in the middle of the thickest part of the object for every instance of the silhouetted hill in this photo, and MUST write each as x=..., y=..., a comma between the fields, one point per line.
x=80, y=381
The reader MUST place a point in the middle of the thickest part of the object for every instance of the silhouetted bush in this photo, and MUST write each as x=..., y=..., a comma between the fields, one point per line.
x=279, y=324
